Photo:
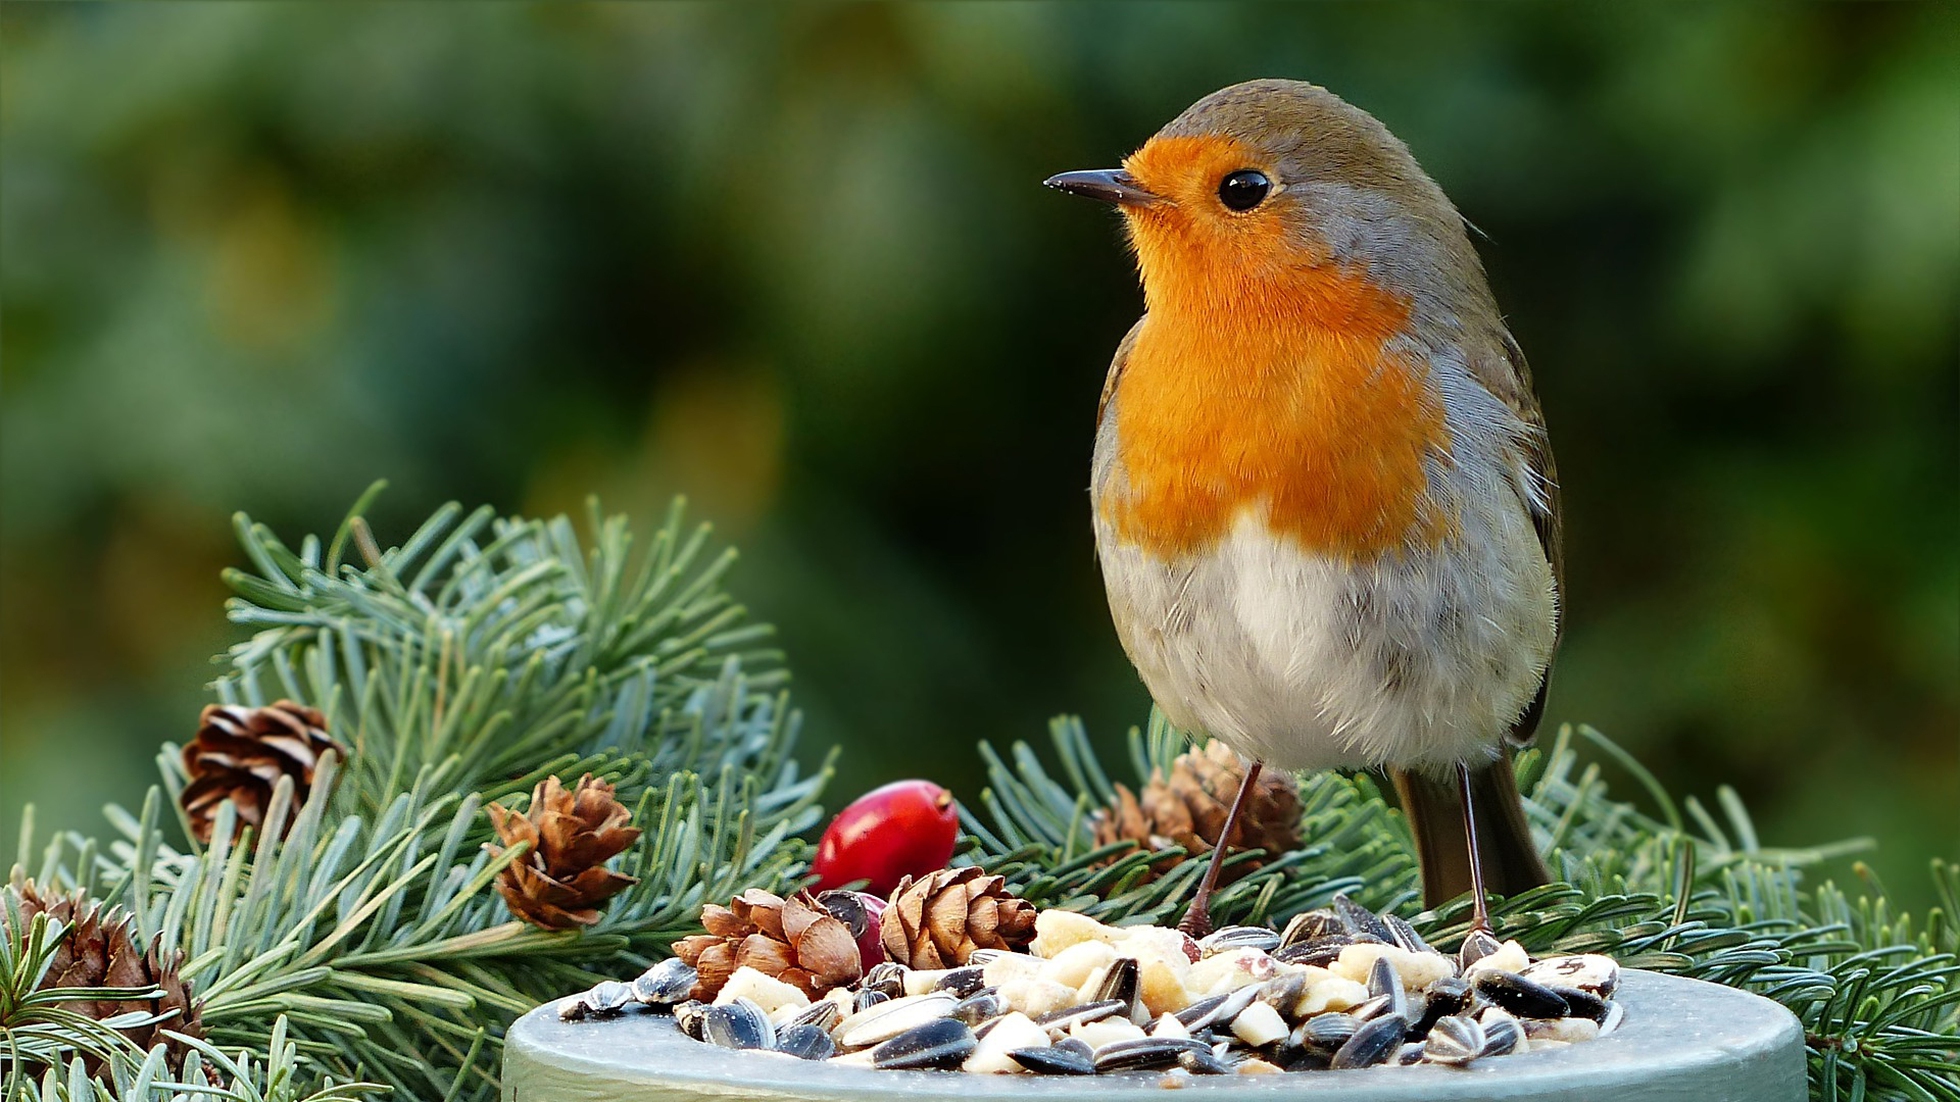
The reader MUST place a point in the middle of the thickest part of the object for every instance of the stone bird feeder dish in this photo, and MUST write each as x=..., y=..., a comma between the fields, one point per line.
x=1680, y=1040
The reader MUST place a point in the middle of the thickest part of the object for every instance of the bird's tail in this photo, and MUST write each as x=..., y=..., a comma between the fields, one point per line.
x=1435, y=811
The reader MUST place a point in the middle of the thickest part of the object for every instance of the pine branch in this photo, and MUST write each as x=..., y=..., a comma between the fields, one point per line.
x=1878, y=993
x=461, y=668
x=483, y=646
x=208, y=1073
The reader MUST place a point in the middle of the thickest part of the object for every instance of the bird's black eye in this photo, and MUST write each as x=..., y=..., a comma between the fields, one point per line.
x=1244, y=189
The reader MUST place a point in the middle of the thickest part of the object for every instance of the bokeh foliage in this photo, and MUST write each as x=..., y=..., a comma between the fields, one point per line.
x=793, y=261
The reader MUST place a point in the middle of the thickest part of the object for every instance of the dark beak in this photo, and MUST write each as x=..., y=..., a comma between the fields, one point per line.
x=1111, y=185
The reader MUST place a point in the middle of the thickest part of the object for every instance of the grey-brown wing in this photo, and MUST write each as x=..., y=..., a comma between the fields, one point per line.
x=1510, y=381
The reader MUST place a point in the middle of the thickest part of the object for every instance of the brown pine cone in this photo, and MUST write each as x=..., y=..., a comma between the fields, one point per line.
x=563, y=878
x=97, y=950
x=940, y=919
x=240, y=753
x=795, y=940
x=1188, y=809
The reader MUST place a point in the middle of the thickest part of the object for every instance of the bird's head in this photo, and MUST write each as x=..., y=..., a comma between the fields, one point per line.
x=1262, y=184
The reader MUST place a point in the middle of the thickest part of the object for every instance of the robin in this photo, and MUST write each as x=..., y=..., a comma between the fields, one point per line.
x=1325, y=508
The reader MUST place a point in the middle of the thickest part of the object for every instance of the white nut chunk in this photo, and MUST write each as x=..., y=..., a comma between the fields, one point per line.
x=1106, y=1031
x=1015, y=1030
x=1259, y=1024
x=1568, y=1030
x=1416, y=970
x=1229, y=970
x=767, y=992
x=1035, y=997
x=1073, y=966
x=1590, y=972
x=1331, y=993
x=1056, y=930
x=1510, y=957
x=1009, y=967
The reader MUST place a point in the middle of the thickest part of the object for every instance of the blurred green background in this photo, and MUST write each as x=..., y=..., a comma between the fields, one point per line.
x=795, y=261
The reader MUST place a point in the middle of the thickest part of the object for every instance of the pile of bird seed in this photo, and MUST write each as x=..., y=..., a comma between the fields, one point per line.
x=1338, y=988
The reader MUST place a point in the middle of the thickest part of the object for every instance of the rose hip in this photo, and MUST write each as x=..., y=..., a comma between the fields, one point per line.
x=903, y=829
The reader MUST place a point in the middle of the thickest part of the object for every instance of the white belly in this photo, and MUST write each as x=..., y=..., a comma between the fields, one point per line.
x=1304, y=662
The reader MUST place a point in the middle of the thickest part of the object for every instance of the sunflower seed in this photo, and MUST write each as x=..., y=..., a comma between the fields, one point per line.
x=1202, y=1062
x=824, y=1014
x=1311, y=926
x=690, y=1016
x=846, y=907
x=892, y=1017
x=1284, y=992
x=1239, y=937
x=1440, y=999
x=978, y=1007
x=1324, y=1033
x=739, y=1024
x=866, y=998
x=940, y=1043
x=1382, y=979
x=1589, y=972
x=605, y=999
x=1450, y=992
x=1521, y=996
x=962, y=982
x=1360, y=920
x=1373, y=1043
x=666, y=983
x=1320, y=951
x=1581, y=1004
x=1371, y=1008
x=1120, y=982
x=806, y=1042
x=1454, y=1040
x=1207, y=1012
x=1059, y=1021
x=1054, y=1060
x=1406, y=936
x=886, y=977
x=1478, y=945
x=1147, y=1054
x=1502, y=1033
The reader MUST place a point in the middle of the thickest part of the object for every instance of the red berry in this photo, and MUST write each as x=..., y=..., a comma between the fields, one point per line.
x=903, y=829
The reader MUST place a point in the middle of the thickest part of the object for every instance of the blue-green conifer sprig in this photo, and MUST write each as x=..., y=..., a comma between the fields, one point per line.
x=361, y=930
x=1680, y=889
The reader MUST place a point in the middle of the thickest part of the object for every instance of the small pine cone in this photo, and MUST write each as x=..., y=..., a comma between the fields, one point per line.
x=940, y=919
x=794, y=940
x=239, y=755
x=1189, y=807
x=97, y=950
x=560, y=882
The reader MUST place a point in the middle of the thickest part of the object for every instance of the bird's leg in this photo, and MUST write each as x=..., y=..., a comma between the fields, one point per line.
x=1480, y=915
x=1197, y=920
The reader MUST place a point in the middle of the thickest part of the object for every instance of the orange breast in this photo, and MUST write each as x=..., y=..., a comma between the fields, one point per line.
x=1282, y=398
